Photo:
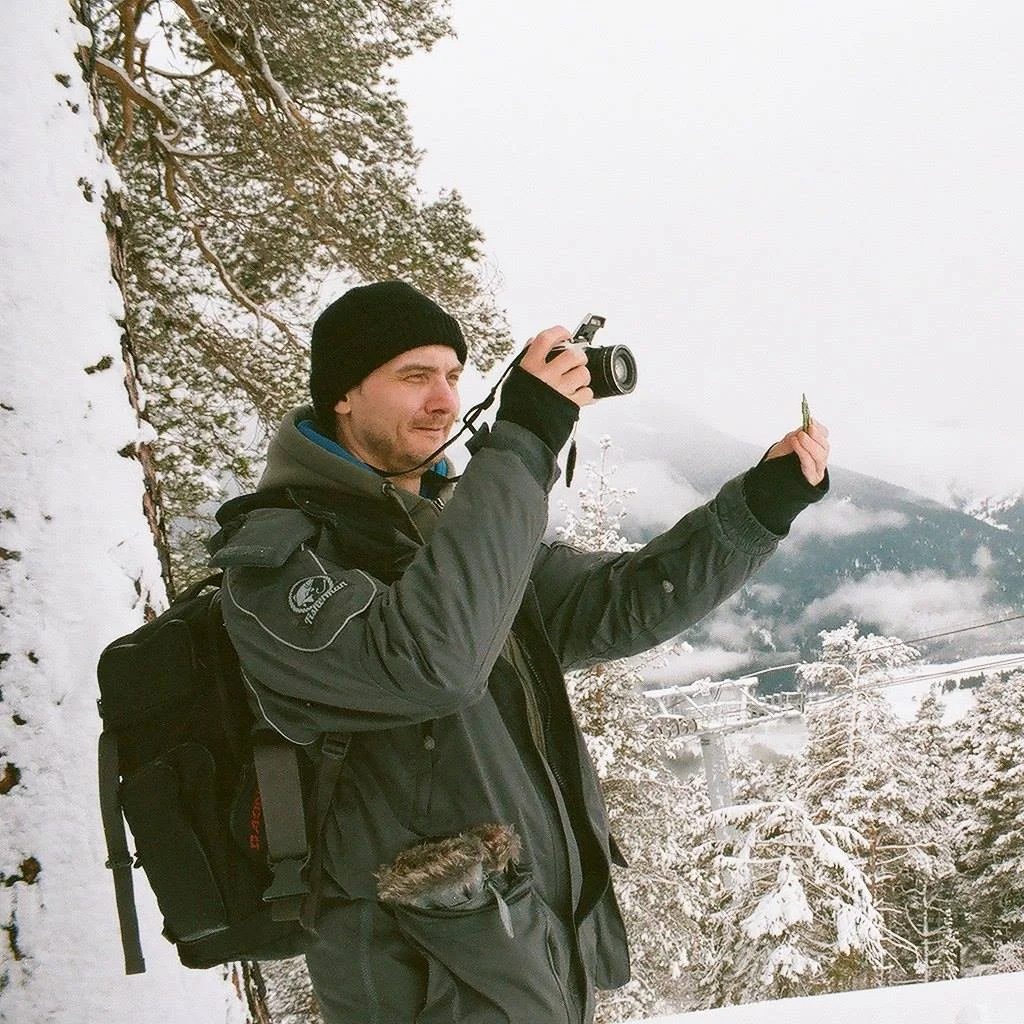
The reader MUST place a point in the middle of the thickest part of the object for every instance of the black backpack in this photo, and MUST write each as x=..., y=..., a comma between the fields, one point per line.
x=226, y=814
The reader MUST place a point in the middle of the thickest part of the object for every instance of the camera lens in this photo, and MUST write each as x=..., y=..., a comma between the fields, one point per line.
x=622, y=370
x=612, y=370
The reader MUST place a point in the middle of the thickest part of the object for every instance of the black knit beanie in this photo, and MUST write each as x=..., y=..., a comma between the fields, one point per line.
x=364, y=329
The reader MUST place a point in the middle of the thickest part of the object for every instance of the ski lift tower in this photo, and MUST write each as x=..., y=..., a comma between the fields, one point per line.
x=710, y=711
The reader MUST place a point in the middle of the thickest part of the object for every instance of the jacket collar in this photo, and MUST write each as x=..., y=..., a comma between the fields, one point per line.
x=296, y=460
x=431, y=483
x=308, y=473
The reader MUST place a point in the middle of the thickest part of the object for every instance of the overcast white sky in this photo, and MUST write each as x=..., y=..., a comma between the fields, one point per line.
x=763, y=199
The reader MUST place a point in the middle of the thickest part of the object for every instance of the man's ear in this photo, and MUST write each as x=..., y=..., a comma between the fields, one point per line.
x=342, y=405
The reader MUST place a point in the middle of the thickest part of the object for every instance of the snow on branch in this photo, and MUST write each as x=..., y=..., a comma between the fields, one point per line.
x=132, y=90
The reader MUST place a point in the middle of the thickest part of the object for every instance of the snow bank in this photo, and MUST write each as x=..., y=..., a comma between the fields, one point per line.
x=73, y=546
x=995, y=999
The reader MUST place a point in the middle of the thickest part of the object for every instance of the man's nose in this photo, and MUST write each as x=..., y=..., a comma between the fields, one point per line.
x=444, y=397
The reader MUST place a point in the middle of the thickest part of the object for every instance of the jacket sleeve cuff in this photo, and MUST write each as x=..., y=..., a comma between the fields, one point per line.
x=537, y=407
x=505, y=435
x=776, y=492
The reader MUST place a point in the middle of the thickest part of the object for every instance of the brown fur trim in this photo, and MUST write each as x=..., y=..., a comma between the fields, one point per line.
x=502, y=846
x=446, y=865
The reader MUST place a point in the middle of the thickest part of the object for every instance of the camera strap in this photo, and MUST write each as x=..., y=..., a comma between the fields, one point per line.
x=570, y=458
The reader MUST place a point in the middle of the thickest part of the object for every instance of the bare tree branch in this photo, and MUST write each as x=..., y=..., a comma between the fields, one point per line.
x=174, y=169
x=218, y=51
x=129, y=87
x=284, y=102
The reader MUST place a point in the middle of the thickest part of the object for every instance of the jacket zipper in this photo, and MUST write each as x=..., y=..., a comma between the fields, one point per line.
x=540, y=730
x=537, y=734
x=546, y=723
x=571, y=927
x=391, y=491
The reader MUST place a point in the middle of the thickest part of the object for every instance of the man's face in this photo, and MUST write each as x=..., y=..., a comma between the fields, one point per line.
x=403, y=411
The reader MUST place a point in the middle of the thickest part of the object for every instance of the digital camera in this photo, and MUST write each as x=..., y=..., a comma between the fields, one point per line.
x=612, y=367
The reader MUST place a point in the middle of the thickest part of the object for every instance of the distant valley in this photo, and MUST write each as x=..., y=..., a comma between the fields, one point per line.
x=899, y=563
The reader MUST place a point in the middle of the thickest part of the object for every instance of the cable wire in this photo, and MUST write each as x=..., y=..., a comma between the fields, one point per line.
x=896, y=643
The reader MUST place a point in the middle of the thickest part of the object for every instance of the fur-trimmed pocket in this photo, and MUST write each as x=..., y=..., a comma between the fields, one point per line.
x=467, y=903
x=461, y=872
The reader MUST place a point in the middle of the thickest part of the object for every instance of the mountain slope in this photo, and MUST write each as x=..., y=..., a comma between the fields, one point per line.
x=897, y=562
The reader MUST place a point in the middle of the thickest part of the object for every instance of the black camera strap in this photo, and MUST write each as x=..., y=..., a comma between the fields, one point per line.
x=468, y=423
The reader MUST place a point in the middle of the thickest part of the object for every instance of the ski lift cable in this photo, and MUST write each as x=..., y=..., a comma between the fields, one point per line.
x=1002, y=664
x=690, y=726
x=695, y=730
x=884, y=647
x=932, y=636
x=992, y=666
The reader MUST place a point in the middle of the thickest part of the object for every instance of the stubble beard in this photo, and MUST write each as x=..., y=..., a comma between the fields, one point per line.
x=399, y=459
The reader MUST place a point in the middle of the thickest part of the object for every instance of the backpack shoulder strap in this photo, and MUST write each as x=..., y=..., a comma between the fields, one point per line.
x=294, y=843
x=279, y=780
x=284, y=821
x=333, y=751
x=119, y=859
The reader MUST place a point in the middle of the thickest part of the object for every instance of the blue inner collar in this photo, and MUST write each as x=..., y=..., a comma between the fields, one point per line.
x=430, y=482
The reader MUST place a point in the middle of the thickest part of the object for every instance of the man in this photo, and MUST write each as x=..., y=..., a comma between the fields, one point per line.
x=468, y=856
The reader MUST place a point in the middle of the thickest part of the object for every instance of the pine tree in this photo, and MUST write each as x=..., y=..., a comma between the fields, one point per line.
x=793, y=914
x=991, y=847
x=923, y=893
x=861, y=773
x=652, y=814
x=263, y=151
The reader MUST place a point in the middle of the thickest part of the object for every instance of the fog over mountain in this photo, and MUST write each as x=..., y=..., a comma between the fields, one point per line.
x=897, y=562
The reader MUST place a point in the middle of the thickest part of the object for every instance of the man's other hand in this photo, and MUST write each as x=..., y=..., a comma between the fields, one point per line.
x=567, y=371
x=811, y=448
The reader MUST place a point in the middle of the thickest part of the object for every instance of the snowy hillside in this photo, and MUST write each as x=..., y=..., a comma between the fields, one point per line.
x=1006, y=513
x=76, y=557
x=993, y=1000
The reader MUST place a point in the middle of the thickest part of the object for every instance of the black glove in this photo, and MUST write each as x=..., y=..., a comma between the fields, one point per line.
x=777, y=491
x=542, y=410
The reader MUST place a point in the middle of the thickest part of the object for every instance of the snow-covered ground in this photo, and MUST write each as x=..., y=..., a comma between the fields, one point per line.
x=74, y=542
x=906, y=697
x=997, y=999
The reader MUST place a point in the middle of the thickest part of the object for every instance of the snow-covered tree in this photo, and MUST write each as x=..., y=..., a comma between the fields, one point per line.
x=793, y=913
x=847, y=734
x=922, y=898
x=991, y=847
x=862, y=772
x=264, y=151
x=653, y=815
x=1009, y=957
x=77, y=562
x=848, y=659
x=755, y=780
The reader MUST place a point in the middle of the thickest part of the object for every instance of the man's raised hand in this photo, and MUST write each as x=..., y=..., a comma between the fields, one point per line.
x=811, y=448
x=567, y=371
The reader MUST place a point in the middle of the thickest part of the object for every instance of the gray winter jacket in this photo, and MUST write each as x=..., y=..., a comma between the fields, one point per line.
x=437, y=632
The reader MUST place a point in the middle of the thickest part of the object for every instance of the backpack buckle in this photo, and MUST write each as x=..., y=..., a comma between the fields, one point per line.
x=116, y=863
x=288, y=882
x=335, y=745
